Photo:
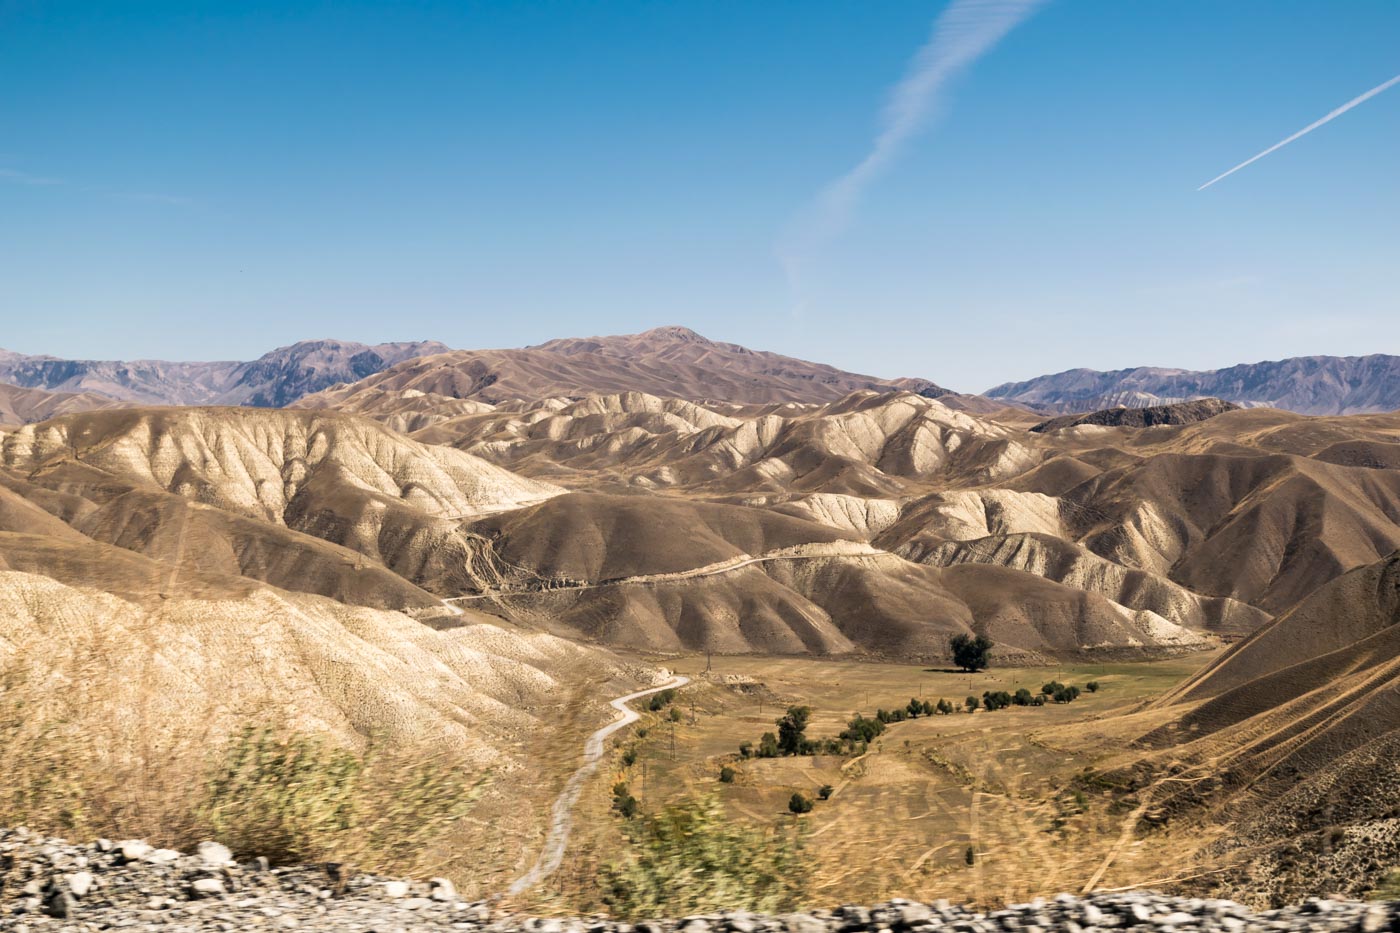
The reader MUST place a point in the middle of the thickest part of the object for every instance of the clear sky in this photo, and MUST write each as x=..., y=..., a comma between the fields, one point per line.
x=197, y=180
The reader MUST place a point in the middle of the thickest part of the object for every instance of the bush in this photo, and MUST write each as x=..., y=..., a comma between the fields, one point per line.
x=726, y=775
x=860, y=729
x=970, y=856
x=944, y=708
x=915, y=708
x=1050, y=688
x=1022, y=697
x=969, y=653
x=691, y=859
x=995, y=700
x=1092, y=686
x=972, y=703
x=746, y=749
x=799, y=804
x=629, y=757
x=297, y=798
x=675, y=714
x=623, y=801
x=928, y=708
x=768, y=746
x=826, y=791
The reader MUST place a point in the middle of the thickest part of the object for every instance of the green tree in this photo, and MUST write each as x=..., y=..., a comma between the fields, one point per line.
x=826, y=791
x=944, y=707
x=1022, y=697
x=1092, y=686
x=972, y=703
x=726, y=775
x=915, y=708
x=799, y=804
x=792, y=728
x=969, y=653
x=675, y=714
x=768, y=746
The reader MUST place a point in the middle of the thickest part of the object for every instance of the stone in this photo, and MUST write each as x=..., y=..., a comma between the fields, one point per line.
x=133, y=850
x=442, y=889
x=79, y=883
x=214, y=854
x=396, y=889
x=59, y=904
x=207, y=887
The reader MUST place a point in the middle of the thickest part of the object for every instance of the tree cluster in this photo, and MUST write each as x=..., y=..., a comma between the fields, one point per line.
x=1061, y=693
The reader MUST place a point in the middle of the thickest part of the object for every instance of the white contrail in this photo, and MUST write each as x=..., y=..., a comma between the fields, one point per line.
x=1309, y=128
x=962, y=33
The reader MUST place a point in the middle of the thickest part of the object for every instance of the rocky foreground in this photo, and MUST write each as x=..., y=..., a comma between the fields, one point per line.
x=49, y=884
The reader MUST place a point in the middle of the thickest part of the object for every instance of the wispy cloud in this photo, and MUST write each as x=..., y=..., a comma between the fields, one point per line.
x=14, y=176
x=1355, y=101
x=964, y=32
x=24, y=178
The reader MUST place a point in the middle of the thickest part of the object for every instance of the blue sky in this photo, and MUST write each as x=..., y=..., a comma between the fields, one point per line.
x=202, y=180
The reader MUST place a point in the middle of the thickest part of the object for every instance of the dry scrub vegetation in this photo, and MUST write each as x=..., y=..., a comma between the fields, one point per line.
x=268, y=790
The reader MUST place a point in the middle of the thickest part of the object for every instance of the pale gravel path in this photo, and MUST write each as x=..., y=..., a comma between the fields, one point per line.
x=561, y=819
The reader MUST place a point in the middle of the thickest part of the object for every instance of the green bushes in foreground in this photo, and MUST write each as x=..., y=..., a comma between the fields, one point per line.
x=689, y=859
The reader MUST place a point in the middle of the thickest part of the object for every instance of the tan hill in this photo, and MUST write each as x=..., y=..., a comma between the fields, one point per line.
x=311, y=501
x=25, y=406
x=666, y=361
x=277, y=378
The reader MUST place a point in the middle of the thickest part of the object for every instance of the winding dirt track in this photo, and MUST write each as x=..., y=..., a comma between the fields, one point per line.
x=561, y=821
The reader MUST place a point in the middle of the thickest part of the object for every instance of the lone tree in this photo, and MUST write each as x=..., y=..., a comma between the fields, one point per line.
x=792, y=730
x=969, y=653
x=799, y=804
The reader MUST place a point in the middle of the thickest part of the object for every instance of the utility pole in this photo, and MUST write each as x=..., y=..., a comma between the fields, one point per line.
x=709, y=657
x=673, y=740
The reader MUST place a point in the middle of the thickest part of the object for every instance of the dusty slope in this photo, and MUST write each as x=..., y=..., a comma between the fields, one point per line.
x=668, y=361
x=25, y=406
x=1296, y=733
x=315, y=502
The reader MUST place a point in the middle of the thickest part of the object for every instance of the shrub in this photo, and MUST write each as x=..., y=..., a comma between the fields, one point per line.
x=768, y=746
x=297, y=798
x=799, y=804
x=914, y=708
x=972, y=703
x=623, y=801
x=970, y=856
x=675, y=714
x=1092, y=686
x=691, y=859
x=995, y=700
x=1050, y=688
x=826, y=791
x=928, y=708
x=944, y=708
x=969, y=653
x=629, y=757
x=860, y=729
x=746, y=749
x=1022, y=697
x=726, y=775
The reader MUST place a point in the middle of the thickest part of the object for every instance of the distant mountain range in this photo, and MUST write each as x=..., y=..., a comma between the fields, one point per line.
x=271, y=381
x=1309, y=385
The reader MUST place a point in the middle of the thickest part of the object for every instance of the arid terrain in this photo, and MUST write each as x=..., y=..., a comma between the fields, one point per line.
x=476, y=550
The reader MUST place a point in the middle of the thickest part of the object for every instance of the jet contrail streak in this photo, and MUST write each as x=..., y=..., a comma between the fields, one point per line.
x=964, y=32
x=1309, y=128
